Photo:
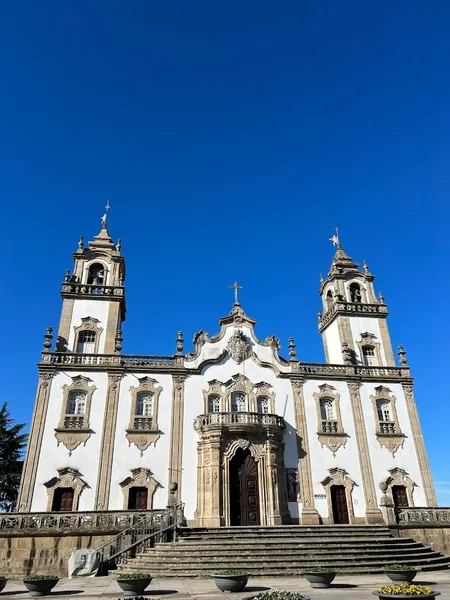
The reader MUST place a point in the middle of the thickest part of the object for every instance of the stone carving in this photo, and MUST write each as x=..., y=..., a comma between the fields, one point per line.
x=67, y=478
x=83, y=563
x=389, y=434
x=140, y=477
x=238, y=347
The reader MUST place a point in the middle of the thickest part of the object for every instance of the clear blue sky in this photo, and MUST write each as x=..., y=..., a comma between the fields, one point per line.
x=230, y=138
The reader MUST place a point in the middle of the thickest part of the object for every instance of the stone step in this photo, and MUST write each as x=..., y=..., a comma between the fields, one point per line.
x=294, y=542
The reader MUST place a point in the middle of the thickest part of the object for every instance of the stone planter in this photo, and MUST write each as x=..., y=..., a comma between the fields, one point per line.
x=320, y=580
x=230, y=583
x=40, y=587
x=135, y=587
x=401, y=576
x=401, y=597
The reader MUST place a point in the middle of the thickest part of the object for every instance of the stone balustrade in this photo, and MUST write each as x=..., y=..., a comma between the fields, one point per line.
x=387, y=427
x=107, y=521
x=108, y=360
x=74, y=422
x=238, y=418
x=330, y=427
x=352, y=308
x=85, y=289
x=423, y=517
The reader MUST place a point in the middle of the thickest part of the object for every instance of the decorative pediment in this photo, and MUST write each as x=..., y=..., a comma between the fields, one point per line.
x=338, y=476
x=140, y=477
x=239, y=347
x=89, y=323
x=67, y=478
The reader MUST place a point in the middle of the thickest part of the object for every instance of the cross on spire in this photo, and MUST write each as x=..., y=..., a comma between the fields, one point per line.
x=236, y=287
x=105, y=216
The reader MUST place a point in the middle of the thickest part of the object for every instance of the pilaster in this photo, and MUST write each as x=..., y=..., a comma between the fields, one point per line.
x=309, y=514
x=373, y=513
x=107, y=443
x=30, y=467
x=419, y=443
x=111, y=327
x=176, y=433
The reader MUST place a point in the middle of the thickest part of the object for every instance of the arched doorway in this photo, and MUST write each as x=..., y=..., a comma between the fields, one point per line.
x=244, y=489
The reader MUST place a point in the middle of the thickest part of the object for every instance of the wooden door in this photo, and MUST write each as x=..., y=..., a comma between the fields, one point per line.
x=339, y=504
x=399, y=495
x=249, y=492
x=63, y=500
x=137, y=498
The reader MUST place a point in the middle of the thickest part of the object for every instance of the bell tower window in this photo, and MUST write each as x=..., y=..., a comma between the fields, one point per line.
x=355, y=292
x=86, y=342
x=96, y=275
x=238, y=402
x=329, y=299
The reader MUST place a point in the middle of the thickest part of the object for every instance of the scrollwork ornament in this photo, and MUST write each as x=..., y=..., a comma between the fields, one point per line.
x=238, y=347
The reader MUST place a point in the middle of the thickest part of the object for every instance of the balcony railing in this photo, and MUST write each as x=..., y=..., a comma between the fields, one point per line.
x=143, y=423
x=241, y=418
x=410, y=515
x=73, y=422
x=108, y=360
x=387, y=427
x=350, y=307
x=330, y=427
x=85, y=289
x=343, y=371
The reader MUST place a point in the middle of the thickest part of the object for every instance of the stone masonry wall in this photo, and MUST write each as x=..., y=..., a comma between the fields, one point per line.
x=437, y=538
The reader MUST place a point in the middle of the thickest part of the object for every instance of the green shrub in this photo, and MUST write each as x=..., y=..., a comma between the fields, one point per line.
x=230, y=572
x=38, y=577
x=320, y=570
x=281, y=595
x=398, y=568
x=136, y=575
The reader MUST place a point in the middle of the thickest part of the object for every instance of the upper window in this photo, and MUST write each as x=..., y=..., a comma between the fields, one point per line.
x=76, y=403
x=384, y=410
x=144, y=404
x=96, y=275
x=238, y=402
x=262, y=405
x=327, y=409
x=355, y=292
x=213, y=404
x=369, y=357
x=329, y=299
x=86, y=342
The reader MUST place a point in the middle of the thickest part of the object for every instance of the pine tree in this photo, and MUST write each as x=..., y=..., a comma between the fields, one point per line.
x=12, y=444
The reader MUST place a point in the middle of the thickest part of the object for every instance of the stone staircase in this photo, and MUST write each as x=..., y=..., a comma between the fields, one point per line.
x=283, y=550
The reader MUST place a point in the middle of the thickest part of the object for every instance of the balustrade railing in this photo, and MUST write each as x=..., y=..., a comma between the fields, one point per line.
x=160, y=526
x=245, y=418
x=85, y=289
x=107, y=360
x=330, y=427
x=351, y=370
x=101, y=521
x=143, y=423
x=350, y=307
x=410, y=515
x=73, y=422
x=387, y=427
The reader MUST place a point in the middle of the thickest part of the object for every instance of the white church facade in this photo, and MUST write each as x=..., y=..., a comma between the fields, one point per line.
x=230, y=428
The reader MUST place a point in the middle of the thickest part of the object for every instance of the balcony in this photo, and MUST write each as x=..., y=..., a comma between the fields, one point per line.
x=238, y=420
x=351, y=308
x=73, y=422
x=388, y=427
x=330, y=427
x=85, y=289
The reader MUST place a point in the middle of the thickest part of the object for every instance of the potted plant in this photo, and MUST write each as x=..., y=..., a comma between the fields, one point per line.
x=133, y=582
x=3, y=581
x=281, y=595
x=230, y=581
x=40, y=585
x=320, y=577
x=400, y=573
x=405, y=590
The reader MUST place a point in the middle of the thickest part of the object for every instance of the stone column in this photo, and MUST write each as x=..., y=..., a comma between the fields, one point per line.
x=419, y=443
x=107, y=443
x=28, y=479
x=373, y=513
x=309, y=514
x=176, y=433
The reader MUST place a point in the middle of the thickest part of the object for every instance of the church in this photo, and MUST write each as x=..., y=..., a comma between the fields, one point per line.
x=230, y=428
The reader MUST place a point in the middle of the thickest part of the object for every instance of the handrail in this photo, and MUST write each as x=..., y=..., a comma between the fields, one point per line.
x=141, y=535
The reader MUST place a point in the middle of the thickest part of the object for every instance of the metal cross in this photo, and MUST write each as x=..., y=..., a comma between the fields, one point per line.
x=236, y=287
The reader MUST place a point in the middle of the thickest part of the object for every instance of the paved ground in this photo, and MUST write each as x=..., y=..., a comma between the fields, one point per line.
x=345, y=587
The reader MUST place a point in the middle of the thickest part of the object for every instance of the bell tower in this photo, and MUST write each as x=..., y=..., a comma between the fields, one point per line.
x=353, y=322
x=93, y=298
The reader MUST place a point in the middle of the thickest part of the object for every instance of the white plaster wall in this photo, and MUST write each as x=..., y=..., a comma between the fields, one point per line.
x=331, y=335
x=194, y=406
x=156, y=457
x=360, y=325
x=84, y=458
x=97, y=309
x=322, y=459
x=381, y=459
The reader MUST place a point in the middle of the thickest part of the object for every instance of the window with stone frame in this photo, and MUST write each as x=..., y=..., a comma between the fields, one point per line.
x=262, y=405
x=386, y=422
x=86, y=342
x=143, y=427
x=213, y=403
x=327, y=409
x=369, y=356
x=388, y=431
x=76, y=403
x=238, y=402
x=96, y=274
x=73, y=427
x=330, y=429
x=144, y=404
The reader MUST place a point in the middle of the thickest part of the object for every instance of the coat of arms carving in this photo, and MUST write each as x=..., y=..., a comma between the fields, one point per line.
x=238, y=347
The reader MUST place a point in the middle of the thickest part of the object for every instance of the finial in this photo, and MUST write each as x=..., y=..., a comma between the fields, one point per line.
x=180, y=342
x=346, y=354
x=335, y=238
x=81, y=243
x=292, y=351
x=48, y=339
x=321, y=278
x=105, y=216
x=67, y=276
x=366, y=266
x=319, y=314
x=118, y=341
x=236, y=287
x=402, y=354
x=119, y=245
x=381, y=297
